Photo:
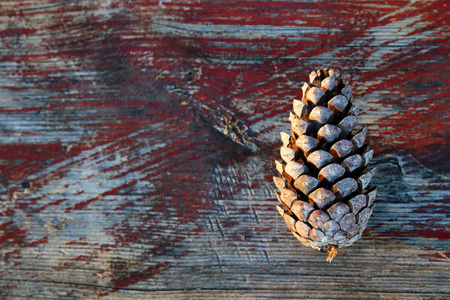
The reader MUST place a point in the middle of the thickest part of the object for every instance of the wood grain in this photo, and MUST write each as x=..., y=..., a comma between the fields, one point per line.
x=128, y=158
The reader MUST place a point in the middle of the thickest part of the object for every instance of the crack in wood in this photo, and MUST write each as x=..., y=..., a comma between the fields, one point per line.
x=228, y=125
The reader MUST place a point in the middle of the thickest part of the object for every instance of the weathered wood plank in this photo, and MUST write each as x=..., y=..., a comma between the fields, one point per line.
x=114, y=182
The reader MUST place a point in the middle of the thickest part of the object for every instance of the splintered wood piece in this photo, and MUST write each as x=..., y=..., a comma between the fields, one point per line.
x=340, y=235
x=338, y=104
x=306, y=143
x=360, y=137
x=300, y=126
x=342, y=148
x=285, y=138
x=295, y=169
x=345, y=187
x=353, y=111
x=300, y=109
x=306, y=183
x=320, y=158
x=328, y=132
x=328, y=83
x=318, y=218
x=347, y=125
x=312, y=77
x=279, y=167
x=347, y=92
x=352, y=163
x=315, y=234
x=305, y=89
x=287, y=154
x=370, y=195
x=320, y=115
x=334, y=73
x=367, y=157
x=347, y=221
x=279, y=183
x=290, y=221
x=302, y=210
x=331, y=173
x=357, y=203
x=365, y=178
x=322, y=197
x=364, y=215
x=287, y=197
x=354, y=230
x=330, y=227
x=338, y=210
x=315, y=95
x=302, y=228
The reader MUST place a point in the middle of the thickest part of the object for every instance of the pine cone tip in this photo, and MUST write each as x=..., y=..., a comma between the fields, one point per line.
x=332, y=252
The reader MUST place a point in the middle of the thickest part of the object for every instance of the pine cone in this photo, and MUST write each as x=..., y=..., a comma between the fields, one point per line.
x=324, y=194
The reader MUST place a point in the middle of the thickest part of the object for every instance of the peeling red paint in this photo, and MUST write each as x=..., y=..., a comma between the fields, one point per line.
x=128, y=278
x=44, y=240
x=9, y=32
x=437, y=256
x=11, y=235
x=440, y=234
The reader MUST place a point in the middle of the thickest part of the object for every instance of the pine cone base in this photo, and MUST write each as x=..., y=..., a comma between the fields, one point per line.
x=324, y=195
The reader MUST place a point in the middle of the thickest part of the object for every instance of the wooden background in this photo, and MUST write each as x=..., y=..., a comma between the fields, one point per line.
x=129, y=130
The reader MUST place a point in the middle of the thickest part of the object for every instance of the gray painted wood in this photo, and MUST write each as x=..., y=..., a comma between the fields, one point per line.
x=121, y=119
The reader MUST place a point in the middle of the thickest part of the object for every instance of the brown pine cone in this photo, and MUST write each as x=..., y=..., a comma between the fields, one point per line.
x=324, y=194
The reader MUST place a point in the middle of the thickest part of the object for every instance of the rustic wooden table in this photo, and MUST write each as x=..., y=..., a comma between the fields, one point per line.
x=127, y=170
